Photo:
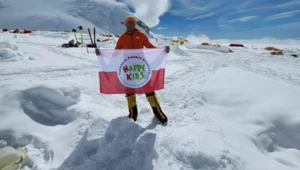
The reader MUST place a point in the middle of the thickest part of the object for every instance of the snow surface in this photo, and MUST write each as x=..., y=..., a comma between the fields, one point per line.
x=233, y=111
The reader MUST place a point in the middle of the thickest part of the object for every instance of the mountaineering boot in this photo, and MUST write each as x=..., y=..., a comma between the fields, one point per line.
x=159, y=114
x=131, y=101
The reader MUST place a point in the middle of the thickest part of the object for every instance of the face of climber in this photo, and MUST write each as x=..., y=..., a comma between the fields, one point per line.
x=130, y=26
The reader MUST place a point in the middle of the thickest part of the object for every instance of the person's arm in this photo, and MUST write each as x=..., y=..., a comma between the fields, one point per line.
x=147, y=43
x=119, y=44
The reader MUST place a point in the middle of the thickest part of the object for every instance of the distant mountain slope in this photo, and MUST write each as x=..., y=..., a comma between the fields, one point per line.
x=61, y=15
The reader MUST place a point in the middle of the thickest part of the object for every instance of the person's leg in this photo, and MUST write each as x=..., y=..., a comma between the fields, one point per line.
x=131, y=101
x=153, y=100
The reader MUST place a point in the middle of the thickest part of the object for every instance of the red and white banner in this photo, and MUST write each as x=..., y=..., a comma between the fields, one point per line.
x=132, y=70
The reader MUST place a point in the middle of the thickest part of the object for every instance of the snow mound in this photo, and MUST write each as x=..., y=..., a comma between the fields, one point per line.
x=9, y=52
x=14, y=139
x=205, y=161
x=123, y=146
x=211, y=48
x=281, y=141
x=49, y=106
x=8, y=44
x=268, y=111
x=250, y=88
x=56, y=35
x=198, y=38
x=180, y=51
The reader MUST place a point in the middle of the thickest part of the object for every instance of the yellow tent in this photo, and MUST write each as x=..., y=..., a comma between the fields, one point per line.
x=215, y=45
x=205, y=43
x=181, y=42
x=276, y=50
x=175, y=41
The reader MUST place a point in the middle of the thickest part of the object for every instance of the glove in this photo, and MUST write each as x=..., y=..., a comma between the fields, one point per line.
x=167, y=49
x=97, y=51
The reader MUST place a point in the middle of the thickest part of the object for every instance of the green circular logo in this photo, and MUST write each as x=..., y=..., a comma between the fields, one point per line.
x=134, y=72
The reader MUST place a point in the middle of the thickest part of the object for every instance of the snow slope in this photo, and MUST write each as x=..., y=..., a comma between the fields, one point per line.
x=233, y=111
x=62, y=15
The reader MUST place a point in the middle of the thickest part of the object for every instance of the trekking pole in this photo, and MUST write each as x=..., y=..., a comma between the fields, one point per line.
x=95, y=38
x=90, y=35
x=80, y=29
x=74, y=31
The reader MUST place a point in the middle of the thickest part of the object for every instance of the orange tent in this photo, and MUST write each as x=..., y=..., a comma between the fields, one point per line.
x=275, y=50
x=214, y=45
x=272, y=49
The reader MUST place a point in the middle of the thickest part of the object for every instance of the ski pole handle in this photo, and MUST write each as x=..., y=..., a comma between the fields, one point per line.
x=95, y=38
x=90, y=36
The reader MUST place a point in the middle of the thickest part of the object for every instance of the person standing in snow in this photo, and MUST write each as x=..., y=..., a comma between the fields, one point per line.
x=133, y=38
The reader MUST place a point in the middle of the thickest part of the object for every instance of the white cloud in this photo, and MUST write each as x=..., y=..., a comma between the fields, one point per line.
x=201, y=16
x=282, y=26
x=282, y=15
x=149, y=11
x=193, y=10
x=284, y=5
x=225, y=26
x=242, y=19
x=161, y=28
x=287, y=4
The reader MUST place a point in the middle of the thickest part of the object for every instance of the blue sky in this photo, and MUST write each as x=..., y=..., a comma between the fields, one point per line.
x=228, y=18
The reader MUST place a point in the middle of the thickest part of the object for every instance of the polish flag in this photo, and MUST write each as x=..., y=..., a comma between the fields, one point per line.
x=131, y=71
